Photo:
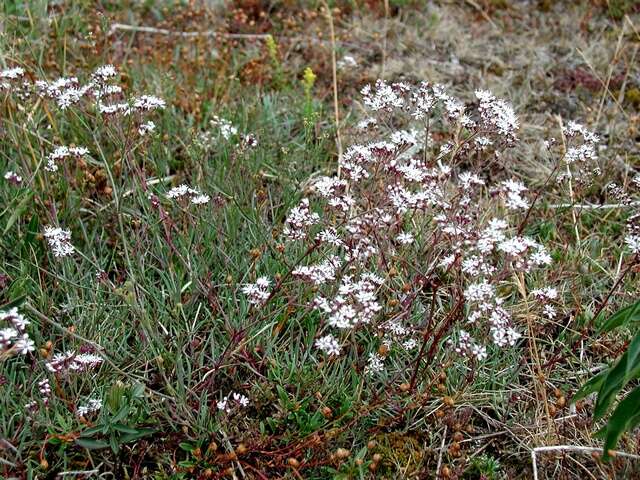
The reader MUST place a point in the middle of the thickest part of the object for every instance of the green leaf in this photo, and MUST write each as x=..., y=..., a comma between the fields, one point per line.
x=591, y=386
x=124, y=428
x=91, y=444
x=187, y=447
x=633, y=360
x=627, y=315
x=92, y=431
x=121, y=415
x=624, y=418
x=131, y=437
x=115, y=445
x=611, y=385
x=19, y=210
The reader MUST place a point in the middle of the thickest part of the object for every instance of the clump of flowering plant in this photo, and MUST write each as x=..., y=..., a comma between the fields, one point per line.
x=405, y=252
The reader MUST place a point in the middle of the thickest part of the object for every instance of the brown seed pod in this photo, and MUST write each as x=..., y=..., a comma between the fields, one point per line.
x=376, y=457
x=404, y=387
x=293, y=462
x=445, y=472
x=561, y=402
x=327, y=412
x=342, y=453
x=371, y=444
x=448, y=401
x=458, y=436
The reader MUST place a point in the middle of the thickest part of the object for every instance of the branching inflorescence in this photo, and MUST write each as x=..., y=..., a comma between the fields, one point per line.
x=407, y=209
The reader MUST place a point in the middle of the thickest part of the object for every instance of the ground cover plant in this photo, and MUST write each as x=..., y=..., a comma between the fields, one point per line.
x=319, y=239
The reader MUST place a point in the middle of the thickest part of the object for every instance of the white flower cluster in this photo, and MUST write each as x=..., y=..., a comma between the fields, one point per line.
x=107, y=98
x=354, y=304
x=59, y=240
x=234, y=399
x=69, y=362
x=513, y=190
x=328, y=344
x=321, y=273
x=467, y=346
x=227, y=129
x=13, y=177
x=375, y=364
x=195, y=196
x=257, y=293
x=347, y=62
x=14, y=339
x=62, y=152
x=93, y=405
x=146, y=128
x=632, y=238
x=545, y=296
x=497, y=114
x=299, y=220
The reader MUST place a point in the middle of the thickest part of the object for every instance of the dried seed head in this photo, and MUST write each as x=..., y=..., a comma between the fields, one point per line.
x=342, y=453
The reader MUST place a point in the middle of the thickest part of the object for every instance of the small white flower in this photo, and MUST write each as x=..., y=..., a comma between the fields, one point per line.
x=24, y=344
x=405, y=238
x=258, y=292
x=375, y=364
x=328, y=344
x=13, y=177
x=148, y=103
x=347, y=62
x=93, y=405
x=633, y=243
x=146, y=128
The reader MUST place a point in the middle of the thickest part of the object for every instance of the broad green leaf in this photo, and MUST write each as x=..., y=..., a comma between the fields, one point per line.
x=130, y=437
x=633, y=358
x=92, y=431
x=624, y=418
x=627, y=315
x=592, y=385
x=121, y=415
x=124, y=428
x=91, y=444
x=611, y=385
